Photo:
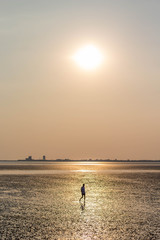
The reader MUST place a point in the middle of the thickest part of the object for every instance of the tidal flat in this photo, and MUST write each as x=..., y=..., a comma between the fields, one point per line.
x=41, y=201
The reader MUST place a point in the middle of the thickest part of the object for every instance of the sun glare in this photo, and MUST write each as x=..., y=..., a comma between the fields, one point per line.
x=88, y=57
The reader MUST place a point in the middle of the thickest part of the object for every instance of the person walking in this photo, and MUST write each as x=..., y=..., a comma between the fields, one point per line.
x=83, y=192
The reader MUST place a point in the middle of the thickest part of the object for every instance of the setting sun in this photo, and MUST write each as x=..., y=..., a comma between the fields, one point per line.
x=88, y=57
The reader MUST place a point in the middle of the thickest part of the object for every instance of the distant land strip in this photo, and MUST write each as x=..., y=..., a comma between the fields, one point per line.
x=86, y=160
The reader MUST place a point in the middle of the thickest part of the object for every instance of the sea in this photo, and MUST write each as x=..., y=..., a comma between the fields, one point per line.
x=41, y=200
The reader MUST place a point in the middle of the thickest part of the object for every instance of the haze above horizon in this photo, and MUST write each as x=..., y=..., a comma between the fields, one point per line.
x=50, y=105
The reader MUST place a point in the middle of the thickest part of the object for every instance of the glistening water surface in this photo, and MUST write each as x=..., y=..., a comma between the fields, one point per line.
x=41, y=201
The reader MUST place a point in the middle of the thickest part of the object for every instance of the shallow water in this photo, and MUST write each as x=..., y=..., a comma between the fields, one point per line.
x=41, y=201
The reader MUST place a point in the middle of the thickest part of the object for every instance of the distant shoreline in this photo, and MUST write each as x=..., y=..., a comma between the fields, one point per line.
x=83, y=160
x=68, y=160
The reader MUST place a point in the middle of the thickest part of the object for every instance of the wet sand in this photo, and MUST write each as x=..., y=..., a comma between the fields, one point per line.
x=122, y=201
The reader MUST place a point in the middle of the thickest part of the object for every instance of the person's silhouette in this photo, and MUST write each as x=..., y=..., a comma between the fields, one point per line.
x=83, y=192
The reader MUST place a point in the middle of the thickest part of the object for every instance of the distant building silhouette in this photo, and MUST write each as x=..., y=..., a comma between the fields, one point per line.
x=29, y=158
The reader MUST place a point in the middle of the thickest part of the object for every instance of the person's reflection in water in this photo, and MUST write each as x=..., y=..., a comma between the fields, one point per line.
x=83, y=206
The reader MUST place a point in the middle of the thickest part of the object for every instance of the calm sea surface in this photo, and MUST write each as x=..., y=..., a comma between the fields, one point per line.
x=41, y=201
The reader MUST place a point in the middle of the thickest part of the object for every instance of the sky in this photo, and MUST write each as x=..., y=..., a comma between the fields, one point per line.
x=50, y=106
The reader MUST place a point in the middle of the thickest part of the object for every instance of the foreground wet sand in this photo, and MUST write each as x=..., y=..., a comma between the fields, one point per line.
x=120, y=204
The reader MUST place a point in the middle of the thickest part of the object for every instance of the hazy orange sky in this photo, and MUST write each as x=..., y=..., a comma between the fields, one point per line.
x=50, y=106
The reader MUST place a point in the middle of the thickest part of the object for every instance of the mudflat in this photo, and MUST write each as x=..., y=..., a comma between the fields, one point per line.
x=41, y=201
